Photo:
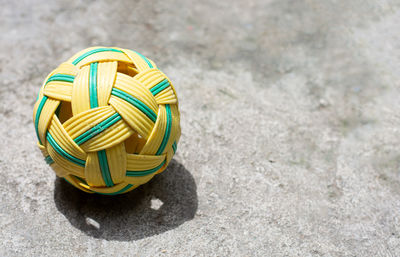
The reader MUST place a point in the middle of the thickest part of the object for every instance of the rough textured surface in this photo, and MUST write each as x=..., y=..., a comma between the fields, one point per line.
x=290, y=118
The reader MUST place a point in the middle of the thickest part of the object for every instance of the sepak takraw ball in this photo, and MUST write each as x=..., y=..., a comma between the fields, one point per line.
x=107, y=120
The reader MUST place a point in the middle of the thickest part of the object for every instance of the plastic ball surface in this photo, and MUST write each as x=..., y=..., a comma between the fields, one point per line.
x=107, y=120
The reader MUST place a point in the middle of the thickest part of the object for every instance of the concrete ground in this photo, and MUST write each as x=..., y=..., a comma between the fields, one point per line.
x=290, y=119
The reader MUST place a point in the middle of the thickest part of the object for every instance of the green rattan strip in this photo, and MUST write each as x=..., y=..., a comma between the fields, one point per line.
x=174, y=147
x=62, y=152
x=48, y=159
x=105, y=171
x=37, y=116
x=144, y=58
x=135, y=102
x=61, y=77
x=131, y=173
x=93, y=85
x=114, y=193
x=97, y=50
x=97, y=129
x=159, y=87
x=167, y=131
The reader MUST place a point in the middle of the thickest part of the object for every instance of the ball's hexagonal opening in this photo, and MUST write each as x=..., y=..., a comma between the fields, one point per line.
x=64, y=111
x=127, y=68
x=134, y=144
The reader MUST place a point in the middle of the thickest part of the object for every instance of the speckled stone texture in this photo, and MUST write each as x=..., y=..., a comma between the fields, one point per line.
x=290, y=121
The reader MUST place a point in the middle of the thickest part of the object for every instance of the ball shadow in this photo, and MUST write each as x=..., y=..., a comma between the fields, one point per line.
x=164, y=203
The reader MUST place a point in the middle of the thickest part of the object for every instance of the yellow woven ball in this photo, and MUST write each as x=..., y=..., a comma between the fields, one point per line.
x=107, y=120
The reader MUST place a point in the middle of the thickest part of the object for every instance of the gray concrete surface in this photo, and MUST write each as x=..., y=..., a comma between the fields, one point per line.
x=290, y=118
